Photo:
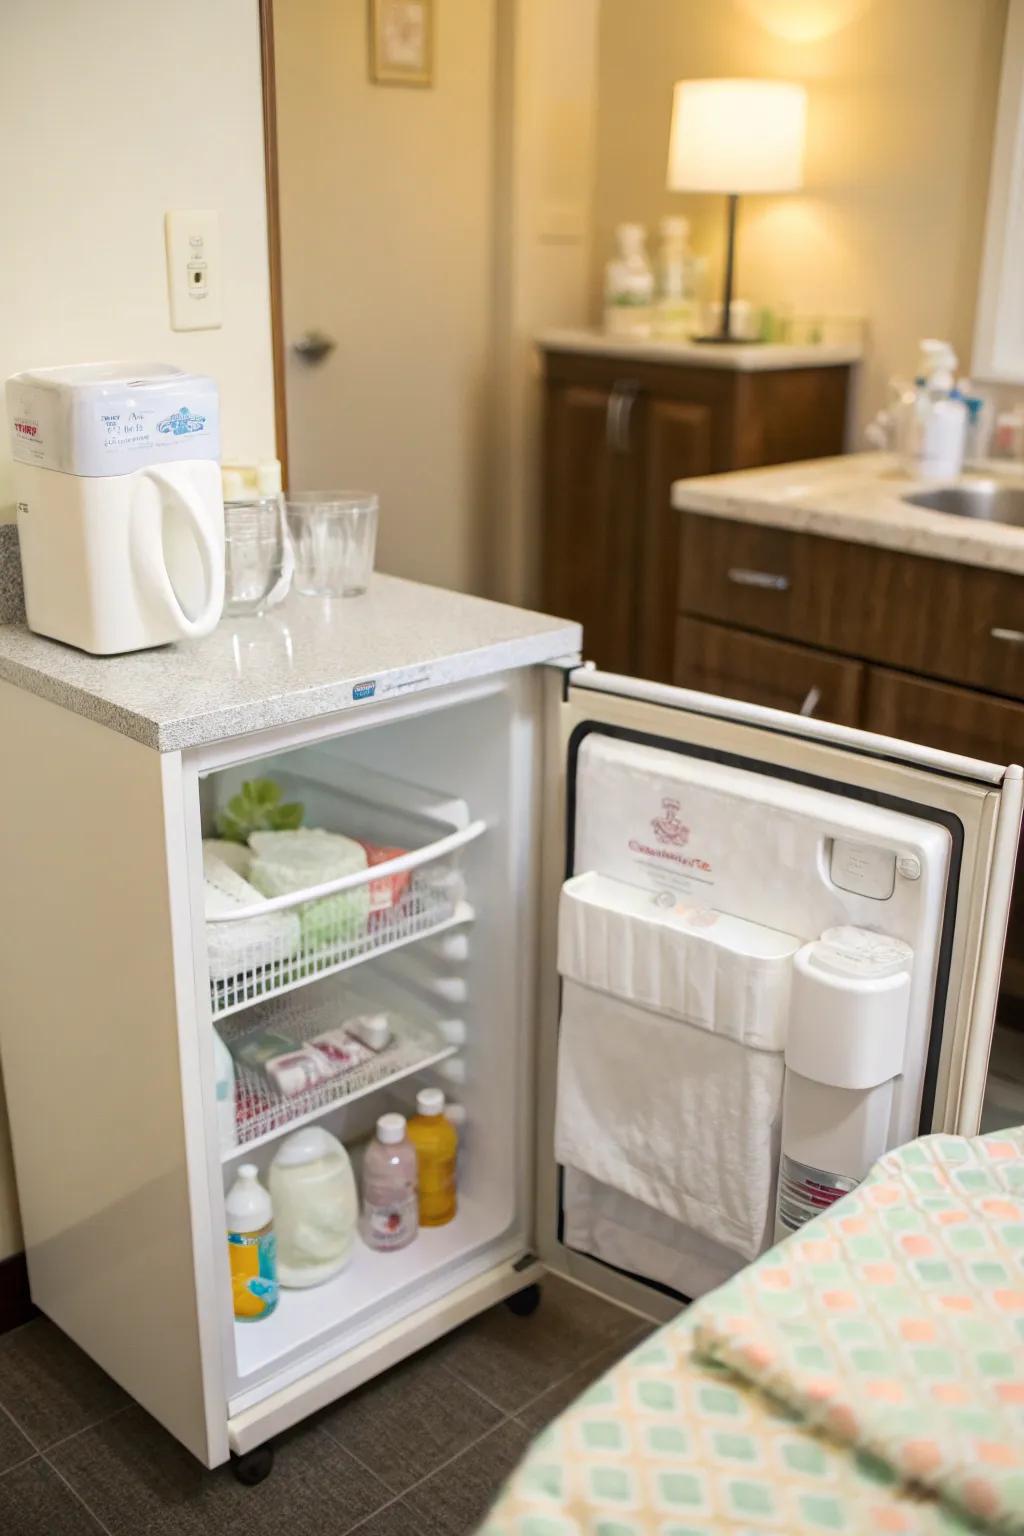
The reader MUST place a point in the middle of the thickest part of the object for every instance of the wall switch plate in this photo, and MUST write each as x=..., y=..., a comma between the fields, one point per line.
x=193, y=269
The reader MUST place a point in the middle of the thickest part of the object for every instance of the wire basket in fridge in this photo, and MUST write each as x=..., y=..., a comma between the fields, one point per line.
x=412, y=887
x=271, y=1097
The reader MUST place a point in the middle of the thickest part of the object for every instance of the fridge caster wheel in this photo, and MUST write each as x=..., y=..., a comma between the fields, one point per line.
x=253, y=1466
x=524, y=1303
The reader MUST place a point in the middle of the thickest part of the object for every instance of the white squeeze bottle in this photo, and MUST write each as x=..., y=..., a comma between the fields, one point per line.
x=252, y=1247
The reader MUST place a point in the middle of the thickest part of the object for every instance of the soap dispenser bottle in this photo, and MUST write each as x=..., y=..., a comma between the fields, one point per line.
x=939, y=423
x=629, y=285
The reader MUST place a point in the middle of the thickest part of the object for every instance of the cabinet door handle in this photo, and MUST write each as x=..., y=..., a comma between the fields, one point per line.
x=618, y=415
x=625, y=417
x=613, y=411
x=811, y=701
x=1011, y=636
x=765, y=579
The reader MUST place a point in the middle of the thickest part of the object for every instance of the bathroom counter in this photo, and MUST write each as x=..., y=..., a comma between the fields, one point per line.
x=858, y=498
x=307, y=657
x=742, y=357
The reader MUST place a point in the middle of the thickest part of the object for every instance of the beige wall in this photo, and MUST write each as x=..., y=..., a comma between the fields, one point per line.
x=110, y=114
x=901, y=110
x=108, y=117
x=387, y=215
x=547, y=52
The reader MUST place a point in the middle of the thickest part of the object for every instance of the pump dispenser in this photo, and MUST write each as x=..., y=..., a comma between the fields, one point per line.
x=938, y=424
x=629, y=285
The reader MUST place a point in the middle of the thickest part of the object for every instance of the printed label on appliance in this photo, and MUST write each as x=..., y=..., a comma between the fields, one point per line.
x=129, y=429
x=364, y=690
x=664, y=853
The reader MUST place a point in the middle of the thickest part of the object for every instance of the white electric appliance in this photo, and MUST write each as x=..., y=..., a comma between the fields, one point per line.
x=632, y=984
x=120, y=515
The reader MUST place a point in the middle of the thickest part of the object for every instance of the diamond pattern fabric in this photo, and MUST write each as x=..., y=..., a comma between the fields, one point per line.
x=865, y=1376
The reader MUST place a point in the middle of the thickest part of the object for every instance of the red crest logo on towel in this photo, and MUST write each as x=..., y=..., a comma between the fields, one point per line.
x=668, y=828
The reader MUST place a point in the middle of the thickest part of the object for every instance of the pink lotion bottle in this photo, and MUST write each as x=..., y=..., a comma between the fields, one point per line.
x=391, y=1216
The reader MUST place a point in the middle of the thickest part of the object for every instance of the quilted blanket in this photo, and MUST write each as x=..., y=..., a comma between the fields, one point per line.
x=866, y=1375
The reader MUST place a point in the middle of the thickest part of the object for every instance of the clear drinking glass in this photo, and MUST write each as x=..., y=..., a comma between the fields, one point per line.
x=334, y=536
x=253, y=553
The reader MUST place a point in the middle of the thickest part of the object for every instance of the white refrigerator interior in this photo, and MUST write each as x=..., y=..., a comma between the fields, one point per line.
x=653, y=946
x=682, y=956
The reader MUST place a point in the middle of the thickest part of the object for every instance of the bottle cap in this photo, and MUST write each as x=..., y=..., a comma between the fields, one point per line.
x=391, y=1129
x=233, y=485
x=430, y=1101
x=248, y=1171
x=268, y=477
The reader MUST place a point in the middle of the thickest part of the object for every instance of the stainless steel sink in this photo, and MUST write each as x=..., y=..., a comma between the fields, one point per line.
x=993, y=501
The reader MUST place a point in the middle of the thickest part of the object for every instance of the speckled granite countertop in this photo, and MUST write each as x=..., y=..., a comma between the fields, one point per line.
x=742, y=357
x=858, y=498
x=307, y=657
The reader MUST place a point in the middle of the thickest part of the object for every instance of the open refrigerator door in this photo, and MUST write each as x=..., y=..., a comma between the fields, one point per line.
x=771, y=953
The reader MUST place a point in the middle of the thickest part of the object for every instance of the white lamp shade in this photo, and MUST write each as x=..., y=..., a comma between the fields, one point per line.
x=737, y=136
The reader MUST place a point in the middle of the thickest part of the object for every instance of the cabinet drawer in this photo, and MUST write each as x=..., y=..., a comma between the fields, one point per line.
x=932, y=616
x=954, y=719
x=760, y=671
x=758, y=578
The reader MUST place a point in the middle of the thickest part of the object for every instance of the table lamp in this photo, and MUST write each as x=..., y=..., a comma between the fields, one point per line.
x=736, y=136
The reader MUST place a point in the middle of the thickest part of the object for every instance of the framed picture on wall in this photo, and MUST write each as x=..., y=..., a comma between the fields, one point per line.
x=402, y=42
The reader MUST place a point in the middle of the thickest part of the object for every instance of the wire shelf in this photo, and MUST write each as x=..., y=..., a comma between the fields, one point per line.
x=270, y=955
x=263, y=1112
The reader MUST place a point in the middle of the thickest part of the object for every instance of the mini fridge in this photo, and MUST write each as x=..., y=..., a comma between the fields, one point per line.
x=686, y=964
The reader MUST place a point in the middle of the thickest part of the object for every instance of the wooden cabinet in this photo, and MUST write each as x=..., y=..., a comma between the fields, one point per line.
x=957, y=720
x=949, y=621
x=714, y=659
x=618, y=432
x=922, y=650
x=591, y=549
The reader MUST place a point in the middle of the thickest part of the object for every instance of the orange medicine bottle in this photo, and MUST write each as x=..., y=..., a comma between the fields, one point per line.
x=437, y=1142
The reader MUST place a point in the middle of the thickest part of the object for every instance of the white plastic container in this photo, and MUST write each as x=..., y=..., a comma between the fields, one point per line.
x=316, y=1207
x=629, y=285
x=937, y=437
x=844, y=1050
x=120, y=516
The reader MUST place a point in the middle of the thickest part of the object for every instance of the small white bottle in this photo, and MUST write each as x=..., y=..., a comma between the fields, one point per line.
x=939, y=432
x=676, y=314
x=390, y=1217
x=629, y=285
x=252, y=1248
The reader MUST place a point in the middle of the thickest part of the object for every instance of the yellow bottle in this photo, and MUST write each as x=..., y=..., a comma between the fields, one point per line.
x=437, y=1142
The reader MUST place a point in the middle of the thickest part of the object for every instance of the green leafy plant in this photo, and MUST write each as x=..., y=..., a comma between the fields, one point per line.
x=258, y=808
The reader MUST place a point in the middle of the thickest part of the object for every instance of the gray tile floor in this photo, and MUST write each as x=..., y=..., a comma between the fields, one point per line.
x=419, y=1452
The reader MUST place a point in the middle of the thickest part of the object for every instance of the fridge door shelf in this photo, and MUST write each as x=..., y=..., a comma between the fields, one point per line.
x=329, y=927
x=264, y=1113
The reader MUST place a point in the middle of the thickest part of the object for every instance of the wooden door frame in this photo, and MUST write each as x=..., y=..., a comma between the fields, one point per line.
x=270, y=160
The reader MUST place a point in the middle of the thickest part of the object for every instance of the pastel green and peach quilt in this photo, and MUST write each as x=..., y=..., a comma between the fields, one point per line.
x=866, y=1375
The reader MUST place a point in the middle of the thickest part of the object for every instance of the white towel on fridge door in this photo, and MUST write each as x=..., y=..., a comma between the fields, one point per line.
x=635, y=1237
x=670, y=1063
x=680, y=1119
